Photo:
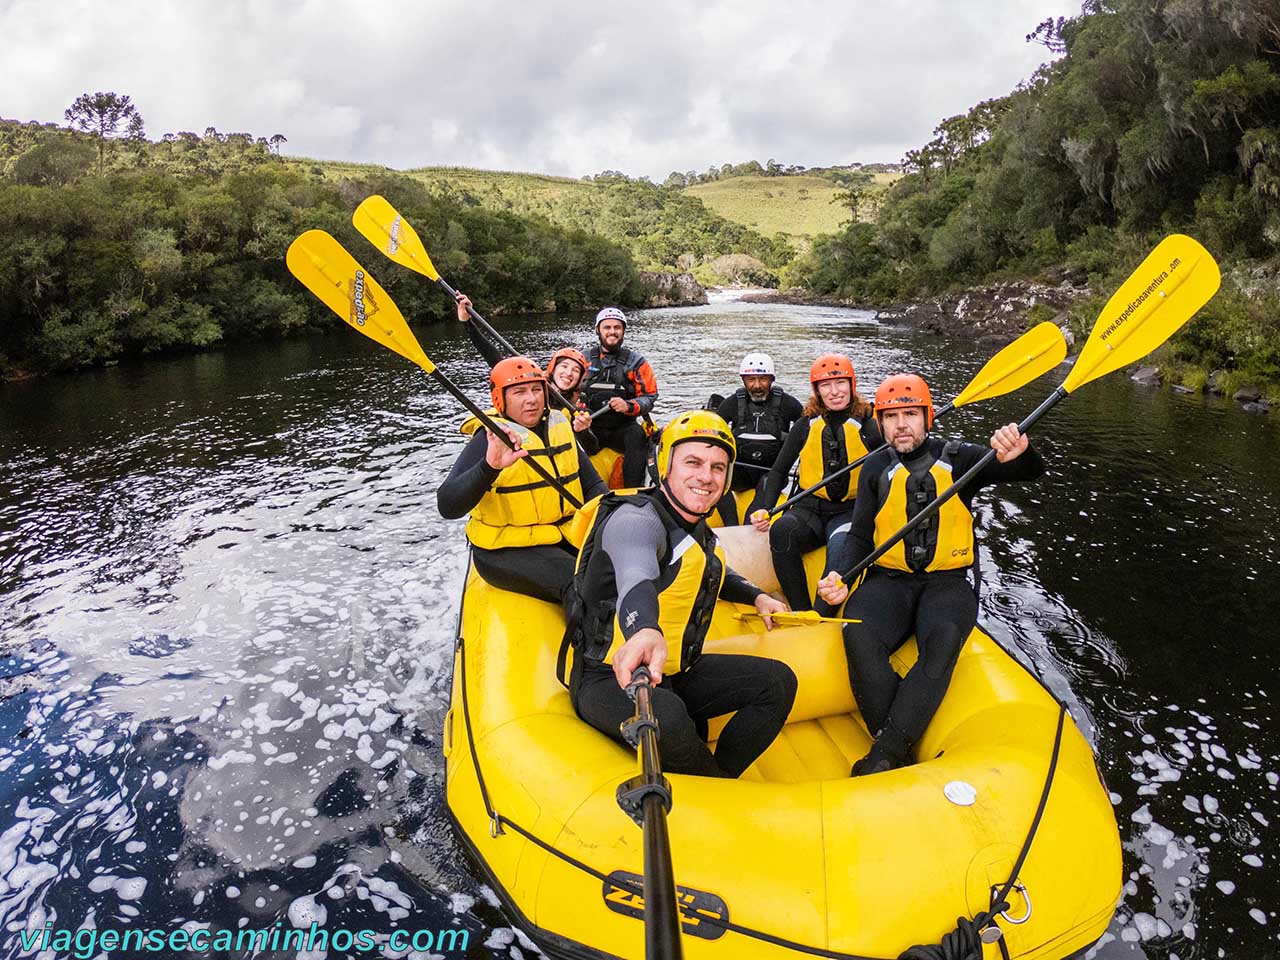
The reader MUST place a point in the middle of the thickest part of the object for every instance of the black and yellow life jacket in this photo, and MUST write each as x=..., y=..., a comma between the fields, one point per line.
x=522, y=509
x=942, y=542
x=825, y=451
x=691, y=572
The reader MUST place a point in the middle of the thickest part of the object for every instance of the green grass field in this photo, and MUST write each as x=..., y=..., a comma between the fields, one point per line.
x=798, y=206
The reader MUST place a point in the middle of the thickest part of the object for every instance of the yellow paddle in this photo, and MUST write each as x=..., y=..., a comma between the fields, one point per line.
x=1176, y=279
x=796, y=617
x=1037, y=351
x=326, y=269
x=382, y=225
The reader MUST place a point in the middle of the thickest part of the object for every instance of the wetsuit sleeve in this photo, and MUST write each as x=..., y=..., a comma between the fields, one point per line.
x=491, y=352
x=862, y=528
x=792, y=411
x=633, y=540
x=738, y=589
x=468, y=481
x=592, y=485
x=787, y=457
x=1028, y=466
x=646, y=385
x=588, y=441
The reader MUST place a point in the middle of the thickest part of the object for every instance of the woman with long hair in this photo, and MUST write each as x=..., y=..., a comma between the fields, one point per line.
x=838, y=427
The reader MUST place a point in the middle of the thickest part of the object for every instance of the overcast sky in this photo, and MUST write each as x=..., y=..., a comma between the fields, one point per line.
x=567, y=88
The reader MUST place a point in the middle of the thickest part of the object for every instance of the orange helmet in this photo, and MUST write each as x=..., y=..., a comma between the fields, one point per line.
x=568, y=353
x=833, y=366
x=508, y=373
x=905, y=390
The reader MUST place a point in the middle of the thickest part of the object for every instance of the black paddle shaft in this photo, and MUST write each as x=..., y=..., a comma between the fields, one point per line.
x=661, y=913
x=556, y=395
x=842, y=471
x=851, y=574
x=501, y=434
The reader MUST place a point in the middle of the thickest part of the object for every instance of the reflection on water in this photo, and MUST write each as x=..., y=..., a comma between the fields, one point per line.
x=227, y=604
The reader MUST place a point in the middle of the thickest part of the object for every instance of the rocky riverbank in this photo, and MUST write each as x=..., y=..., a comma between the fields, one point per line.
x=672, y=290
x=998, y=313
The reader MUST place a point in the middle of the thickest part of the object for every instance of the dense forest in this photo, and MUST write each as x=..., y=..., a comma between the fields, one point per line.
x=1153, y=118
x=180, y=244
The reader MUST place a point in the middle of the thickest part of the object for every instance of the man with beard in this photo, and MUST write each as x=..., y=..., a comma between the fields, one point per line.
x=760, y=413
x=622, y=380
x=919, y=586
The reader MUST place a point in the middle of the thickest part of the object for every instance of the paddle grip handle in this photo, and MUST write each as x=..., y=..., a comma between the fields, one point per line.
x=501, y=434
x=930, y=509
x=487, y=327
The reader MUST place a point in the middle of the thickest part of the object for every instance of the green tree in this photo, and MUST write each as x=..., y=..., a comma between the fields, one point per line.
x=103, y=114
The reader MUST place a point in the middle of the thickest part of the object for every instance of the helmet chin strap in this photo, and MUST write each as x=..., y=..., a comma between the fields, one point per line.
x=670, y=495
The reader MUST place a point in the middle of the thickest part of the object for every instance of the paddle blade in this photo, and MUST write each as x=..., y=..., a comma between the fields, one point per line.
x=382, y=225
x=1176, y=280
x=1037, y=351
x=325, y=268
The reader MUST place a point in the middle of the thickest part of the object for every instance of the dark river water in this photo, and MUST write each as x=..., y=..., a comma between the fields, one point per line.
x=227, y=604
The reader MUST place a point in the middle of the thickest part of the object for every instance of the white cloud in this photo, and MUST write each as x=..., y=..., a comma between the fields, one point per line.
x=567, y=88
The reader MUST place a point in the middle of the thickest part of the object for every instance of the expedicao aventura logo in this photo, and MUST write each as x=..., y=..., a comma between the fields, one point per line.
x=1140, y=299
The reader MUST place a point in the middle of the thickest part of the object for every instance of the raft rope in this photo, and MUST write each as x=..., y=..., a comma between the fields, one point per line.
x=963, y=943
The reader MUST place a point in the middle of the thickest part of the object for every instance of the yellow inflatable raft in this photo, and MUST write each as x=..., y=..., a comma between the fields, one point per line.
x=796, y=856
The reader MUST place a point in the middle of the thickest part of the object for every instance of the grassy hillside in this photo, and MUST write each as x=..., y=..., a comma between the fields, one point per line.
x=664, y=228
x=799, y=206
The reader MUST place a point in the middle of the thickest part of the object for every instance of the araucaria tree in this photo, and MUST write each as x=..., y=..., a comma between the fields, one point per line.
x=105, y=114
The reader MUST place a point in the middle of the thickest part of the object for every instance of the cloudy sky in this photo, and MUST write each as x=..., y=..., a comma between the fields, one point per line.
x=566, y=88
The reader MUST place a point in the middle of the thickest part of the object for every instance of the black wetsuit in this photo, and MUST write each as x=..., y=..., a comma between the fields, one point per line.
x=939, y=607
x=623, y=573
x=541, y=572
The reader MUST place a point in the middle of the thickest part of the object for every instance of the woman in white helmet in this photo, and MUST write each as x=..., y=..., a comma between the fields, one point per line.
x=760, y=414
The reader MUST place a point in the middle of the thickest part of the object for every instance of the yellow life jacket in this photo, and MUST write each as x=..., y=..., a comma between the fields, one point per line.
x=691, y=572
x=942, y=542
x=818, y=456
x=521, y=509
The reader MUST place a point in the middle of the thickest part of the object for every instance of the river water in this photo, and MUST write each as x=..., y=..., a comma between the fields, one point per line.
x=227, y=605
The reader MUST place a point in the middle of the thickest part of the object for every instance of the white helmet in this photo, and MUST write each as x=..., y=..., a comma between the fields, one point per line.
x=756, y=365
x=611, y=313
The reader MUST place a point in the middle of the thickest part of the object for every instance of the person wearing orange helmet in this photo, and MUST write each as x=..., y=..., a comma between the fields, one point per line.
x=837, y=428
x=919, y=587
x=565, y=370
x=518, y=520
